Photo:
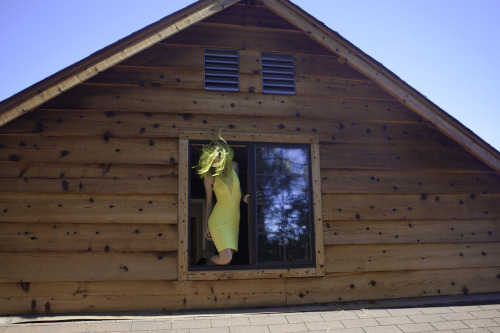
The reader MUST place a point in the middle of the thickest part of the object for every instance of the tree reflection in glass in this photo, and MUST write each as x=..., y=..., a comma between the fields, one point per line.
x=283, y=216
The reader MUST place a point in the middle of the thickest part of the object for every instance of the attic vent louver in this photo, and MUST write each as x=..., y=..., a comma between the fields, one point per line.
x=222, y=70
x=278, y=75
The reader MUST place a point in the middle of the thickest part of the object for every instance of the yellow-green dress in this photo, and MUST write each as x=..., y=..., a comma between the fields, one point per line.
x=224, y=221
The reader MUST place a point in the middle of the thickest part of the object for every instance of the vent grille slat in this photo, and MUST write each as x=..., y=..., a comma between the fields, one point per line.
x=222, y=69
x=278, y=73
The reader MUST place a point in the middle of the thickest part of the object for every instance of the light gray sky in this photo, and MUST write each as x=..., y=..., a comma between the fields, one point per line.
x=446, y=49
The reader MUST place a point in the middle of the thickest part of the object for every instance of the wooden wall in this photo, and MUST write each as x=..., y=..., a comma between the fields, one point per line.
x=88, y=183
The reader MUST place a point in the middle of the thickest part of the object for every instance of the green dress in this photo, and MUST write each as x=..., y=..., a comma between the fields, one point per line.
x=224, y=221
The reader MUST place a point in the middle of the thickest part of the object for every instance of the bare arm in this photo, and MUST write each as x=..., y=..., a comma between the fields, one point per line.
x=208, y=181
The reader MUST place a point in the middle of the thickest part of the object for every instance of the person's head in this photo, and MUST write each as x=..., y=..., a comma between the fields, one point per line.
x=215, y=159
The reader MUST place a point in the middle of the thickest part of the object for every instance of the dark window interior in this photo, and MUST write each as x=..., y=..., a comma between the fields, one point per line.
x=276, y=225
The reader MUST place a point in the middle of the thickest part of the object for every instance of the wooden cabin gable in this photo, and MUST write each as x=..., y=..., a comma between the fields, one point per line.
x=90, y=195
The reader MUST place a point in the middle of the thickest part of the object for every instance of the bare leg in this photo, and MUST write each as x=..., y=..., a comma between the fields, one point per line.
x=223, y=258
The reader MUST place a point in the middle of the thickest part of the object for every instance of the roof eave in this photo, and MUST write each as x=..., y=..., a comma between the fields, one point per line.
x=43, y=91
x=387, y=81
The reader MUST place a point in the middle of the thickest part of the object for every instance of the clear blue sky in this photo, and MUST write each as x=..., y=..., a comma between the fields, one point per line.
x=448, y=50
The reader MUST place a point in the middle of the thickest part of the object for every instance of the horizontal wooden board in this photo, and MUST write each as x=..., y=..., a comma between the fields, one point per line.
x=344, y=207
x=99, y=124
x=248, y=137
x=188, y=58
x=87, y=266
x=223, y=36
x=59, y=297
x=409, y=157
x=40, y=297
x=149, y=100
x=113, y=296
x=325, y=67
x=394, y=257
x=135, y=124
x=284, y=273
x=59, y=237
x=167, y=55
x=340, y=88
x=179, y=78
x=22, y=169
x=88, y=178
x=89, y=186
x=84, y=208
x=344, y=287
x=250, y=16
x=249, y=82
x=408, y=181
x=106, y=149
x=411, y=231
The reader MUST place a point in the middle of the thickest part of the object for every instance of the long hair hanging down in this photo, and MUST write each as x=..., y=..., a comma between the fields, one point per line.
x=215, y=159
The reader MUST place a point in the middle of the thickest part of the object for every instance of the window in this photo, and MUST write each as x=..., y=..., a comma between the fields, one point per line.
x=278, y=74
x=280, y=229
x=222, y=70
x=282, y=210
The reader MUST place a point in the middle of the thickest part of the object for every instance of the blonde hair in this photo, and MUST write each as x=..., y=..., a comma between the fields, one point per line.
x=216, y=158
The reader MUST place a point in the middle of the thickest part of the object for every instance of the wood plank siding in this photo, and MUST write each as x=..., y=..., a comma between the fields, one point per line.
x=89, y=183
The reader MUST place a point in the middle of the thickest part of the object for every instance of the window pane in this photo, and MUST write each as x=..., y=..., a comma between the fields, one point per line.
x=269, y=248
x=283, y=205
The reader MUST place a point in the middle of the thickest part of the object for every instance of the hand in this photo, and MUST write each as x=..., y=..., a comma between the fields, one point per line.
x=258, y=196
x=208, y=236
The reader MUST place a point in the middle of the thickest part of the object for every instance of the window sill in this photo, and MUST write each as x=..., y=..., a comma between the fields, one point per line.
x=252, y=274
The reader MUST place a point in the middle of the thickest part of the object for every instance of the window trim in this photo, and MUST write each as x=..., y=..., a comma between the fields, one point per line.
x=183, y=210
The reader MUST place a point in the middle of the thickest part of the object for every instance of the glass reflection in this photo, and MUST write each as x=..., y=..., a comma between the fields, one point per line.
x=283, y=216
